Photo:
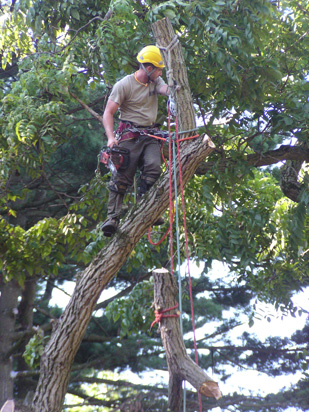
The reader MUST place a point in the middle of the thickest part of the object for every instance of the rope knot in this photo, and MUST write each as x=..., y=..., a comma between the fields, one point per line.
x=169, y=74
x=159, y=315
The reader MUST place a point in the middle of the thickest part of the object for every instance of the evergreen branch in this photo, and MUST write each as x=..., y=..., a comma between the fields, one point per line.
x=86, y=107
x=124, y=292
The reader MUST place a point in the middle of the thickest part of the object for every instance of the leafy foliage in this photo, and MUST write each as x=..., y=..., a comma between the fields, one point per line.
x=247, y=64
x=34, y=350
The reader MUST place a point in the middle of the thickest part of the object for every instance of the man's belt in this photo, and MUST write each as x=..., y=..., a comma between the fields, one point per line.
x=128, y=130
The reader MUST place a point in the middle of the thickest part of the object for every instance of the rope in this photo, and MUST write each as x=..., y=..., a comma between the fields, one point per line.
x=159, y=315
x=172, y=87
x=170, y=188
x=187, y=253
x=179, y=264
x=187, y=138
x=169, y=73
x=169, y=230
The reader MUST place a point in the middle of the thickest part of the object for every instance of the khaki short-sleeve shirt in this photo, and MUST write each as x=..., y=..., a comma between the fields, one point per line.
x=137, y=103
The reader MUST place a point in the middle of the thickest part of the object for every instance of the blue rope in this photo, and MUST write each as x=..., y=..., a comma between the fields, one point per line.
x=178, y=256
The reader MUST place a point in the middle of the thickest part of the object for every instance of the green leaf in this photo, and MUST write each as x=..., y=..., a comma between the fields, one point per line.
x=75, y=14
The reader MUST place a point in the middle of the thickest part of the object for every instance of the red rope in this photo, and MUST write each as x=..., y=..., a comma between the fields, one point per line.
x=187, y=253
x=166, y=233
x=159, y=315
x=181, y=140
x=188, y=138
x=156, y=137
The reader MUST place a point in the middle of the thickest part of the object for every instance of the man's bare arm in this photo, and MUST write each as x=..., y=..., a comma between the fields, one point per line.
x=165, y=91
x=108, y=122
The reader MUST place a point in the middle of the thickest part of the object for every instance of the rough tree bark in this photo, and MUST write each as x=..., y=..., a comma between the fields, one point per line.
x=289, y=181
x=176, y=73
x=25, y=324
x=9, y=292
x=180, y=366
x=68, y=332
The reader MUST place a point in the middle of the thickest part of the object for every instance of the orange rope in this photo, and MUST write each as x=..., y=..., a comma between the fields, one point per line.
x=187, y=138
x=158, y=314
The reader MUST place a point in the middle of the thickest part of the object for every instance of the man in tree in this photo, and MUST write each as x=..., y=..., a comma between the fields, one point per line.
x=136, y=97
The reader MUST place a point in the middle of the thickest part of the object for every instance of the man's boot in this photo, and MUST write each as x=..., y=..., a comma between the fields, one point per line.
x=159, y=222
x=110, y=225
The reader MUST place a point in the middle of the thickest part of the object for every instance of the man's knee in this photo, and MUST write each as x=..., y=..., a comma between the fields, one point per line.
x=147, y=182
x=153, y=171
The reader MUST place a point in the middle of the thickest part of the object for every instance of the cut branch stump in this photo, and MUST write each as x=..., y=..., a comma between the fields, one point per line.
x=180, y=366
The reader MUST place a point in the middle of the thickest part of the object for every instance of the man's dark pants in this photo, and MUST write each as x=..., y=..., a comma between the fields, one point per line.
x=144, y=154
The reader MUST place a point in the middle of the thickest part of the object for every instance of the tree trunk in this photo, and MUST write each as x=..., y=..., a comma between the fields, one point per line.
x=289, y=183
x=68, y=333
x=176, y=73
x=8, y=308
x=181, y=367
x=25, y=324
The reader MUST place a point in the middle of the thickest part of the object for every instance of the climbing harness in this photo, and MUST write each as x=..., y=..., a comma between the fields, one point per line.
x=128, y=130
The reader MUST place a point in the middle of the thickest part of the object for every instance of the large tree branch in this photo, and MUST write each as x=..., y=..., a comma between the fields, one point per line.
x=181, y=367
x=284, y=152
x=86, y=107
x=59, y=354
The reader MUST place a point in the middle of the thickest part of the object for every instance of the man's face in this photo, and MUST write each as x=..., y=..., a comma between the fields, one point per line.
x=157, y=72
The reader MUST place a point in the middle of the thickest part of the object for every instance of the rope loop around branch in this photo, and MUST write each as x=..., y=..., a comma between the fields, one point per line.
x=169, y=73
x=172, y=44
x=159, y=315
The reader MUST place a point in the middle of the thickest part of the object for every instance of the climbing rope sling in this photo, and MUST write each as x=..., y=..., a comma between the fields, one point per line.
x=174, y=143
x=174, y=211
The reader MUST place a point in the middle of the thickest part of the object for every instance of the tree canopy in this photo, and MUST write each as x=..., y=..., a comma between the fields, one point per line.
x=246, y=206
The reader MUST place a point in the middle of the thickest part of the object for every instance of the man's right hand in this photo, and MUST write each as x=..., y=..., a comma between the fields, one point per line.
x=112, y=142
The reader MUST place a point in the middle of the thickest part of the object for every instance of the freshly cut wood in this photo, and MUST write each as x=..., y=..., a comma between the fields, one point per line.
x=180, y=366
x=9, y=406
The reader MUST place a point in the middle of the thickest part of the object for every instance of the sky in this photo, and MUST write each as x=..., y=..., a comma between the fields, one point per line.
x=240, y=381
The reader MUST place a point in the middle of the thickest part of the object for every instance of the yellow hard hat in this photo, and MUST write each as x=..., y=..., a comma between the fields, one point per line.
x=151, y=54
